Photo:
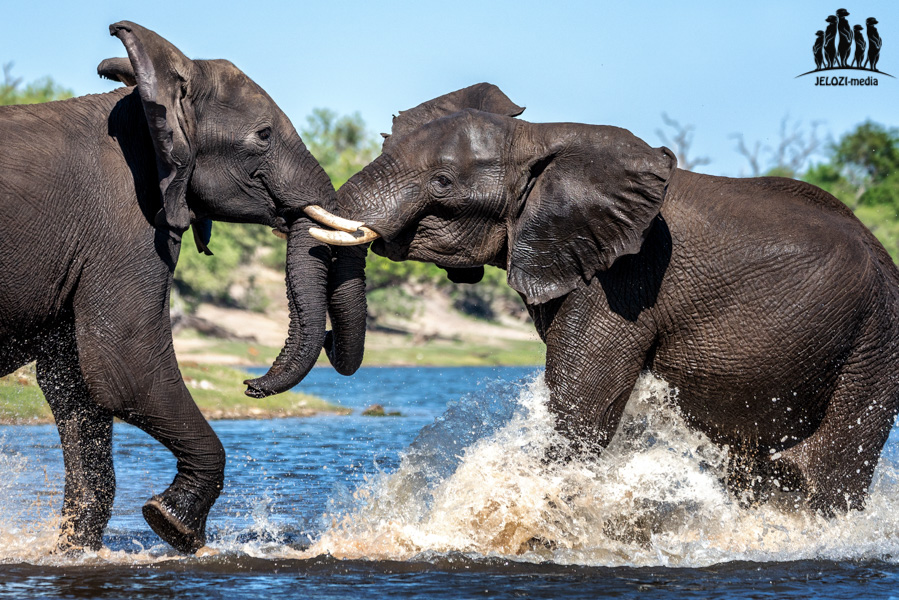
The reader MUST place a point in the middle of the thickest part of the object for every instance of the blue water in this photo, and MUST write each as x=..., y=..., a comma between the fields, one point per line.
x=362, y=507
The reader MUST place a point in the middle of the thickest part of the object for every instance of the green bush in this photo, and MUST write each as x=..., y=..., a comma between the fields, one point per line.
x=201, y=278
x=41, y=90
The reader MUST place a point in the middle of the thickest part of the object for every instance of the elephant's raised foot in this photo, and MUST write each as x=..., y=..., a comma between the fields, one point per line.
x=174, y=517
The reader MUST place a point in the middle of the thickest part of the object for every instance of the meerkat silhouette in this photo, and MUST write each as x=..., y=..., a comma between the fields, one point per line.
x=859, y=47
x=830, y=34
x=845, y=32
x=874, y=44
x=818, y=48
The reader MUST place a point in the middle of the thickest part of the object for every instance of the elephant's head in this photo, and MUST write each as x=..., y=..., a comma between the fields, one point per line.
x=463, y=184
x=225, y=151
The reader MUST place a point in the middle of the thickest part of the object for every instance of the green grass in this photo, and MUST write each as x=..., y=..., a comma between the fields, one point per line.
x=455, y=353
x=217, y=390
x=224, y=395
x=21, y=400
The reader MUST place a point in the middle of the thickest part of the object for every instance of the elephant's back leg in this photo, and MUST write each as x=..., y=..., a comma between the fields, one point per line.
x=838, y=460
x=85, y=432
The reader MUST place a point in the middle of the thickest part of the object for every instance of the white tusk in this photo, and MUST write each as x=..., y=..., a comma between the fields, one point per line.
x=324, y=217
x=362, y=235
x=279, y=234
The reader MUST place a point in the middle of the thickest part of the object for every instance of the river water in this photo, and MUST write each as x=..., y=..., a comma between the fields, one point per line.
x=453, y=499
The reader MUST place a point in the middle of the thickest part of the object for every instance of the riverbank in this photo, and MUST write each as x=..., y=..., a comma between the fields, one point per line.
x=217, y=390
x=430, y=333
x=381, y=350
x=215, y=344
x=212, y=368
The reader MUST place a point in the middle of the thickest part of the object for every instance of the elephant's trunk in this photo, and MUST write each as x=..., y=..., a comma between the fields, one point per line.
x=308, y=262
x=345, y=345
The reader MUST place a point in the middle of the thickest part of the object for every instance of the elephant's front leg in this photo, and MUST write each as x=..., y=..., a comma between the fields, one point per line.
x=129, y=364
x=593, y=359
x=85, y=432
x=147, y=391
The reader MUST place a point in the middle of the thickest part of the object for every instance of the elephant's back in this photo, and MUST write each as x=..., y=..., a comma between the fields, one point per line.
x=771, y=218
x=771, y=238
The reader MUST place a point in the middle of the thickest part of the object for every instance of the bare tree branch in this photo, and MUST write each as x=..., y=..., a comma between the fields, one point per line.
x=751, y=155
x=789, y=155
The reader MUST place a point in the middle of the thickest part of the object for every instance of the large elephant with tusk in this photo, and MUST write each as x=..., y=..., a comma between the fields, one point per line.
x=95, y=195
x=765, y=302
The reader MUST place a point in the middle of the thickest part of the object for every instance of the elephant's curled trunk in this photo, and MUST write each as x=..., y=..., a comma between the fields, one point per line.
x=308, y=263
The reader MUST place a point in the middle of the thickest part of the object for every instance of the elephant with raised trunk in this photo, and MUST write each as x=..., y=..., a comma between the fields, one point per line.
x=765, y=302
x=95, y=194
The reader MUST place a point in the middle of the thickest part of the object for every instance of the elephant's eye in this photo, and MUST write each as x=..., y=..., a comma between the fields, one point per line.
x=441, y=184
x=264, y=134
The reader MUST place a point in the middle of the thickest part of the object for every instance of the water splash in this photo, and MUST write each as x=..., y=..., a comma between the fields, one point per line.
x=476, y=482
x=26, y=532
x=656, y=496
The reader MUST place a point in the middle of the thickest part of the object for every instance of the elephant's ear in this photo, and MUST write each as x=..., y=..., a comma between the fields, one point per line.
x=163, y=75
x=589, y=198
x=481, y=96
x=117, y=69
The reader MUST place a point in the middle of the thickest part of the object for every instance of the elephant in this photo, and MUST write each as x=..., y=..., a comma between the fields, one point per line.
x=763, y=301
x=96, y=193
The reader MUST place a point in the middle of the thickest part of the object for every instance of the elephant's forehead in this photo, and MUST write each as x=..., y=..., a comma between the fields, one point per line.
x=233, y=85
x=462, y=140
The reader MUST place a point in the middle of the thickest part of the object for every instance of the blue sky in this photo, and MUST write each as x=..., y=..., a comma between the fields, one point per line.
x=723, y=67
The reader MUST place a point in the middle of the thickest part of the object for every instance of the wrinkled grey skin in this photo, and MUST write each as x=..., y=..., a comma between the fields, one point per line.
x=95, y=194
x=764, y=301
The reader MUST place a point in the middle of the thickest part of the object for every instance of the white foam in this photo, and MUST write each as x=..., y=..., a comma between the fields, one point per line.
x=654, y=497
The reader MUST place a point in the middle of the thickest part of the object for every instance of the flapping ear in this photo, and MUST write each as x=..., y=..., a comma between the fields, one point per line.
x=117, y=69
x=163, y=74
x=590, y=197
x=481, y=96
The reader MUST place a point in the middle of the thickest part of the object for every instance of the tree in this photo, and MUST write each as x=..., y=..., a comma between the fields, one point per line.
x=870, y=152
x=340, y=144
x=41, y=90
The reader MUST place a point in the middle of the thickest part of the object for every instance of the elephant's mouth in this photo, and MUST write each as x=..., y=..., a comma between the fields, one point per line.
x=400, y=245
x=280, y=228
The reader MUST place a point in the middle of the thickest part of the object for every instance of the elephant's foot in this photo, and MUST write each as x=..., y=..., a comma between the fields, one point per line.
x=70, y=544
x=179, y=518
x=82, y=531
